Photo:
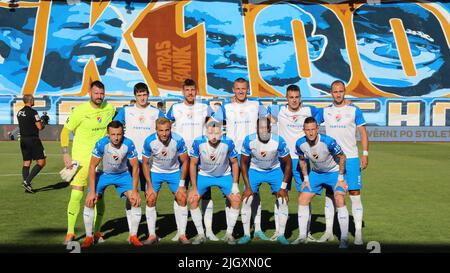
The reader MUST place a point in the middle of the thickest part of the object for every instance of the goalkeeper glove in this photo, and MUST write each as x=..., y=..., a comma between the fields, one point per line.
x=68, y=174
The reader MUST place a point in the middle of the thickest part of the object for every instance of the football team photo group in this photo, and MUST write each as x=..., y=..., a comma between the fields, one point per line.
x=236, y=146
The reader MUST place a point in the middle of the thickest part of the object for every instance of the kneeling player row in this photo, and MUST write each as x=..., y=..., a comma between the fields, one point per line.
x=214, y=162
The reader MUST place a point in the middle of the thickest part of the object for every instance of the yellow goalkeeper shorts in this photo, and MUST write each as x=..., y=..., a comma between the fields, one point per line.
x=81, y=178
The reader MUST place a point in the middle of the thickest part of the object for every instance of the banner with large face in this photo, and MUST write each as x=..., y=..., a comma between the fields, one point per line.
x=391, y=50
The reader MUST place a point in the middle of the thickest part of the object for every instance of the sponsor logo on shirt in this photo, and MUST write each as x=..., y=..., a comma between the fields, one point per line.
x=242, y=122
x=338, y=126
x=190, y=123
x=142, y=128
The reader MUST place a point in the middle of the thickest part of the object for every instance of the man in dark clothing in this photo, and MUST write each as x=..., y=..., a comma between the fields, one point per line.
x=29, y=124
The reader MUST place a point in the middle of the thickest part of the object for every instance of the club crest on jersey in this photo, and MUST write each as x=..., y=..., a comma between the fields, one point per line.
x=295, y=118
x=338, y=117
x=115, y=157
x=263, y=153
x=316, y=156
x=164, y=152
x=141, y=119
x=99, y=119
x=189, y=115
x=212, y=157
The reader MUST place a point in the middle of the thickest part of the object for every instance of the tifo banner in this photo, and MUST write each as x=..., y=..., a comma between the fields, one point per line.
x=395, y=54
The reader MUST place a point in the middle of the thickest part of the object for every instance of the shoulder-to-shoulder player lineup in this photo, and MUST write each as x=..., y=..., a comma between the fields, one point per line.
x=188, y=149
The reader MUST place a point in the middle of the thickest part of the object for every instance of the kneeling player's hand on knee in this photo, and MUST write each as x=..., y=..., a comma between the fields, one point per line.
x=247, y=194
x=341, y=183
x=181, y=193
x=193, y=196
x=91, y=199
x=150, y=192
x=135, y=199
x=235, y=198
x=305, y=184
x=283, y=194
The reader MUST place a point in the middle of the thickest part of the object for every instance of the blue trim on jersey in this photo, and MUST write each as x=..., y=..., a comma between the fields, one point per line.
x=195, y=146
x=99, y=148
x=282, y=148
x=123, y=182
x=220, y=114
x=359, y=119
x=121, y=115
x=246, y=144
x=232, y=153
x=274, y=110
x=319, y=116
x=299, y=143
x=160, y=113
x=314, y=110
x=131, y=152
x=332, y=145
x=181, y=146
x=172, y=179
x=169, y=114
x=147, y=151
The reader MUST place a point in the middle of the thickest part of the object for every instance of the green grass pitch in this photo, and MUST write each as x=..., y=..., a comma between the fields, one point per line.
x=405, y=196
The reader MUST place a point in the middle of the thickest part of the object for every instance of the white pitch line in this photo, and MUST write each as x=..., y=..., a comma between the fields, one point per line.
x=17, y=174
x=21, y=154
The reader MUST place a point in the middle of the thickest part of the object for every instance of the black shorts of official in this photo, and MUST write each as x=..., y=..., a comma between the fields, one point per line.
x=32, y=148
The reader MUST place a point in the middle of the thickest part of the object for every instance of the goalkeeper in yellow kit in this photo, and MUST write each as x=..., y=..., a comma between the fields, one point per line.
x=88, y=122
